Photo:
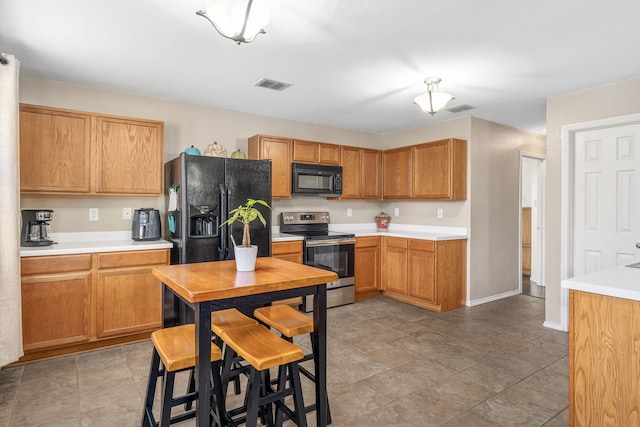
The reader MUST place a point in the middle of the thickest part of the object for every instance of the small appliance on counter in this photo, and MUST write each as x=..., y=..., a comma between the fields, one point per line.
x=35, y=227
x=146, y=225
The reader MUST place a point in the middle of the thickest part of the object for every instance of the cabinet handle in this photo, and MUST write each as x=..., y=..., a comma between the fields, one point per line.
x=638, y=245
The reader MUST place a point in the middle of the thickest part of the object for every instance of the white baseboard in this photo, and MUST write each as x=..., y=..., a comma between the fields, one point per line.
x=494, y=298
x=553, y=325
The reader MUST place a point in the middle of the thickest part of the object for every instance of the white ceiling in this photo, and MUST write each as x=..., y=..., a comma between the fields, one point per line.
x=354, y=64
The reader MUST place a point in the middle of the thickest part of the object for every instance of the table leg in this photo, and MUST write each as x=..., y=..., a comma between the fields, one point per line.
x=203, y=362
x=320, y=356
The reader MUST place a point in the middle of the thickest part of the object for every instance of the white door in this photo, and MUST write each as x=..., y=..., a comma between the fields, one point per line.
x=606, y=208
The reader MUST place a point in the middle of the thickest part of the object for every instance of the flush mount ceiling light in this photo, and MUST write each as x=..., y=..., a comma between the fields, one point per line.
x=434, y=100
x=238, y=20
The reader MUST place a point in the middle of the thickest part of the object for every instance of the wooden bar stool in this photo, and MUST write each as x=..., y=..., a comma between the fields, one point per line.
x=174, y=351
x=263, y=350
x=222, y=320
x=290, y=323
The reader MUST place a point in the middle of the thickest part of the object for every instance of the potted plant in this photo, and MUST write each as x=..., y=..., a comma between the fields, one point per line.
x=246, y=253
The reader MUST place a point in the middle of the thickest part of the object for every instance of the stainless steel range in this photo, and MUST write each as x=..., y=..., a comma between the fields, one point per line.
x=329, y=250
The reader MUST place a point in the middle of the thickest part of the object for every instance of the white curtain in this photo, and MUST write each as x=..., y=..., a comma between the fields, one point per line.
x=10, y=306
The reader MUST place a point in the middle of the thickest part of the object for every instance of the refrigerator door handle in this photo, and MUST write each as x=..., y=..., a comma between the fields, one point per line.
x=223, y=250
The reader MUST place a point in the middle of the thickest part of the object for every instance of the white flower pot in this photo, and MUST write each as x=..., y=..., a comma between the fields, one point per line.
x=246, y=258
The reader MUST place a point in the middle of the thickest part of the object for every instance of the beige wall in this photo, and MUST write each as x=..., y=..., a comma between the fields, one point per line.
x=185, y=124
x=495, y=205
x=612, y=100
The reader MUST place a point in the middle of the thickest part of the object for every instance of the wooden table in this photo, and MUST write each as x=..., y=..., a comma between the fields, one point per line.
x=217, y=285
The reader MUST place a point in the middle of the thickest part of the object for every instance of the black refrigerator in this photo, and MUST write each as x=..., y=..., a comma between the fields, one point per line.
x=207, y=189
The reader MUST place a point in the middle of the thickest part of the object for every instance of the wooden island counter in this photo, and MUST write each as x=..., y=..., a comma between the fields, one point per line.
x=217, y=285
x=604, y=348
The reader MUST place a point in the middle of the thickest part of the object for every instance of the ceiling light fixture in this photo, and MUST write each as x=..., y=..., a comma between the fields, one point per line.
x=434, y=100
x=238, y=20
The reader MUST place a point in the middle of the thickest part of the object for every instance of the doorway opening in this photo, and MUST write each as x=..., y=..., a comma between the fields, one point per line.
x=531, y=223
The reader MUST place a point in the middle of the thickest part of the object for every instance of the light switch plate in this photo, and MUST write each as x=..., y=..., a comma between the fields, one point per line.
x=440, y=212
x=126, y=213
x=349, y=212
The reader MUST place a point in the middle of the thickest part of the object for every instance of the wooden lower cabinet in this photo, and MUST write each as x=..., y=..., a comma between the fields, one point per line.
x=604, y=360
x=72, y=303
x=55, y=310
x=395, y=257
x=289, y=251
x=367, y=267
x=426, y=273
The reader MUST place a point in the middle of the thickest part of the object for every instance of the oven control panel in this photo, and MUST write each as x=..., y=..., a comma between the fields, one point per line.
x=291, y=218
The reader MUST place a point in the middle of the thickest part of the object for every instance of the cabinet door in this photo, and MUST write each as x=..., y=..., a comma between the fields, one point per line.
x=128, y=301
x=350, y=172
x=305, y=151
x=129, y=156
x=289, y=251
x=55, y=309
x=55, y=150
x=422, y=270
x=397, y=169
x=371, y=174
x=439, y=170
x=329, y=154
x=394, y=272
x=279, y=151
x=367, y=264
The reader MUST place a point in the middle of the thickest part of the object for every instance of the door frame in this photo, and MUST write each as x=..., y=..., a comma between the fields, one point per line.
x=541, y=201
x=568, y=156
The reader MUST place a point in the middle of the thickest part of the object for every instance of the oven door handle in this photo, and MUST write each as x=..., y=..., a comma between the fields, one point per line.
x=329, y=242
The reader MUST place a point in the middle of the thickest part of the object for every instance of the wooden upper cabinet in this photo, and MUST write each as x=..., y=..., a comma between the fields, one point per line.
x=305, y=151
x=315, y=152
x=440, y=170
x=329, y=154
x=55, y=150
x=351, y=173
x=129, y=156
x=279, y=151
x=73, y=152
x=371, y=174
x=397, y=167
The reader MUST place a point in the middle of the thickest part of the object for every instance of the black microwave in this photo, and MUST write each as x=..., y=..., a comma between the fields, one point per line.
x=319, y=180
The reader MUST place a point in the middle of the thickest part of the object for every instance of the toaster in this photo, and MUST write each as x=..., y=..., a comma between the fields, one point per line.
x=146, y=225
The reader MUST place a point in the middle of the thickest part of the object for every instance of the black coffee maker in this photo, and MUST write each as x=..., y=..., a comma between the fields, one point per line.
x=35, y=227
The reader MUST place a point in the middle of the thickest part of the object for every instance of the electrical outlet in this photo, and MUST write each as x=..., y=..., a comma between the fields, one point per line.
x=94, y=214
x=396, y=211
x=440, y=212
x=349, y=212
x=126, y=213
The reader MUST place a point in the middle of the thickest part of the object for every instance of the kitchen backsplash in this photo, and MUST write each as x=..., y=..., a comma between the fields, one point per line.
x=71, y=214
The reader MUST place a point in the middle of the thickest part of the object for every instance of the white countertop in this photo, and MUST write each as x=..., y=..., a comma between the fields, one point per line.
x=92, y=242
x=424, y=232
x=620, y=282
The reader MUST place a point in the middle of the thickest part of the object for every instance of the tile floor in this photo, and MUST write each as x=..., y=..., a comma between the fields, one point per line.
x=531, y=288
x=390, y=364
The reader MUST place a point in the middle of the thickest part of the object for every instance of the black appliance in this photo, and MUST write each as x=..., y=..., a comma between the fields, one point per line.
x=329, y=250
x=207, y=189
x=146, y=225
x=316, y=180
x=35, y=227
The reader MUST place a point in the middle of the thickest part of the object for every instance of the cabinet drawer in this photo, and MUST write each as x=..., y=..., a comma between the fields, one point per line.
x=423, y=245
x=133, y=258
x=396, y=242
x=367, y=242
x=279, y=248
x=55, y=264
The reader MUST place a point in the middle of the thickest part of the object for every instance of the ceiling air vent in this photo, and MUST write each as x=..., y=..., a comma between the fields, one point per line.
x=273, y=84
x=459, y=108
